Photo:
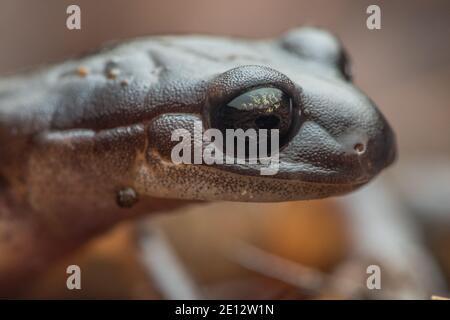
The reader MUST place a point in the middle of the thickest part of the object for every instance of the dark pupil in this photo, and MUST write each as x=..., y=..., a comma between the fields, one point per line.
x=267, y=122
x=262, y=108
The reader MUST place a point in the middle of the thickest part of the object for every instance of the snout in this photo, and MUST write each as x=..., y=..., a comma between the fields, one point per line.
x=344, y=138
x=381, y=149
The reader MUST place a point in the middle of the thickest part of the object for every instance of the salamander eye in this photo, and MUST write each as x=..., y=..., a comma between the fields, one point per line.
x=261, y=108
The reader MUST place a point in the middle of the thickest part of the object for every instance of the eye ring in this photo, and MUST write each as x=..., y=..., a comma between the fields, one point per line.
x=233, y=83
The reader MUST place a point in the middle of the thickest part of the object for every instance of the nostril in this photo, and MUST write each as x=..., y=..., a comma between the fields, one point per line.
x=359, y=148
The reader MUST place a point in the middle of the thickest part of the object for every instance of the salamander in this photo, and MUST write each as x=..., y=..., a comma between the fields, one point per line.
x=88, y=142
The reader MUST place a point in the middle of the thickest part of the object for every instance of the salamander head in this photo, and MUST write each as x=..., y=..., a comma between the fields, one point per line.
x=149, y=114
x=331, y=137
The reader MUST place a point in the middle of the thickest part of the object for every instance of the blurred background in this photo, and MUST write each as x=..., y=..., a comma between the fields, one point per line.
x=315, y=249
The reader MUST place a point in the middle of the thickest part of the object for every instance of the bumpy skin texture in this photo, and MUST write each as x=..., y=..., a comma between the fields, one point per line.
x=83, y=139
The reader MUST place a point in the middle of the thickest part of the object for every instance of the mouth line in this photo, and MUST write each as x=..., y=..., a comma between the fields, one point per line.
x=323, y=177
x=309, y=173
x=325, y=182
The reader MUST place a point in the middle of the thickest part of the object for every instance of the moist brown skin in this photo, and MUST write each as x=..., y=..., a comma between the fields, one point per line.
x=86, y=143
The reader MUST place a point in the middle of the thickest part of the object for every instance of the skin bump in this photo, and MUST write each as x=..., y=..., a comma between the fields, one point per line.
x=127, y=198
